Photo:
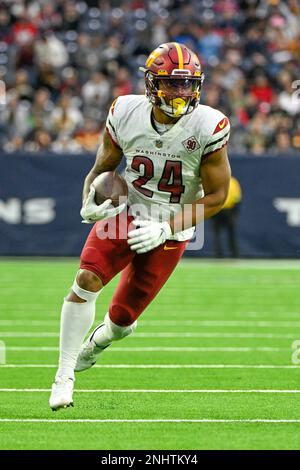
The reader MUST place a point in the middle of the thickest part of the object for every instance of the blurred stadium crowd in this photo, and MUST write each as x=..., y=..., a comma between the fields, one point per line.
x=63, y=62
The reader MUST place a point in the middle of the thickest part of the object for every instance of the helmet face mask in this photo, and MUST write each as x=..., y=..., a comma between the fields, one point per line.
x=174, y=96
x=173, y=79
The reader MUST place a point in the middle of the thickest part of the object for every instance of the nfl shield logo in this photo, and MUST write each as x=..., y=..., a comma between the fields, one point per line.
x=159, y=144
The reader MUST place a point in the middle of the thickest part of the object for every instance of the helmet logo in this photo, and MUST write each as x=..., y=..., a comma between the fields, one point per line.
x=180, y=55
x=152, y=57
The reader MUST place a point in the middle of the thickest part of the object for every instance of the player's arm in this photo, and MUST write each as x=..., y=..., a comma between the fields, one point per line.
x=215, y=175
x=108, y=157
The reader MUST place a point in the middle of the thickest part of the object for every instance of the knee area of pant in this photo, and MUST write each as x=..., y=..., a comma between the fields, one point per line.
x=87, y=286
x=88, y=281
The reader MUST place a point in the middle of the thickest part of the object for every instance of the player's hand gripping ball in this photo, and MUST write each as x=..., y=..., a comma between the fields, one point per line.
x=107, y=198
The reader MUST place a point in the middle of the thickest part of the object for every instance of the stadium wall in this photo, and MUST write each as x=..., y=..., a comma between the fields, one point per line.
x=40, y=199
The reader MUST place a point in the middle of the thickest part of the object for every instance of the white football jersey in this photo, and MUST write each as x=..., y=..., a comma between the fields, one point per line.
x=163, y=170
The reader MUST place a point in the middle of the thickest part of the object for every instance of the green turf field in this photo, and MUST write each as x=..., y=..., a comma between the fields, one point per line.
x=209, y=366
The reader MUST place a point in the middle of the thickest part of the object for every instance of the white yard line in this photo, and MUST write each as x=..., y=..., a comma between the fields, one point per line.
x=14, y=318
x=28, y=334
x=112, y=390
x=215, y=335
x=41, y=312
x=233, y=285
x=167, y=334
x=223, y=323
x=200, y=323
x=144, y=421
x=159, y=366
x=161, y=349
x=15, y=323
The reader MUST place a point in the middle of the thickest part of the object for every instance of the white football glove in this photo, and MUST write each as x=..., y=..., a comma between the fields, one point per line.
x=91, y=212
x=148, y=236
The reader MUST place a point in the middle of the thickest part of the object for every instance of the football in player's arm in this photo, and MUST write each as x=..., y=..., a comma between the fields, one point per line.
x=176, y=159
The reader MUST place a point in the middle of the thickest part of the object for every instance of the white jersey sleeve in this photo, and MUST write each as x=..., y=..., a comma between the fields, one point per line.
x=121, y=110
x=112, y=123
x=219, y=136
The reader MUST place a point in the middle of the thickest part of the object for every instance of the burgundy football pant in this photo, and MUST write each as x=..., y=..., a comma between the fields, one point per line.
x=142, y=275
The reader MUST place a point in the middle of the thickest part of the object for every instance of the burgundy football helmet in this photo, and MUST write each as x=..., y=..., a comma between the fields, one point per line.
x=173, y=79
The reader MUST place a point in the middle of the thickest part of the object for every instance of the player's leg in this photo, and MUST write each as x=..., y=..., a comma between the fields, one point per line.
x=100, y=260
x=140, y=282
x=102, y=337
x=77, y=317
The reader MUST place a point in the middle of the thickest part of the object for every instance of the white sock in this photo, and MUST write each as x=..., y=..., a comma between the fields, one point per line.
x=108, y=331
x=76, y=320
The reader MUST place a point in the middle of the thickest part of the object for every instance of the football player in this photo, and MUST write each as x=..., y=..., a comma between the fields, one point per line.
x=176, y=158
